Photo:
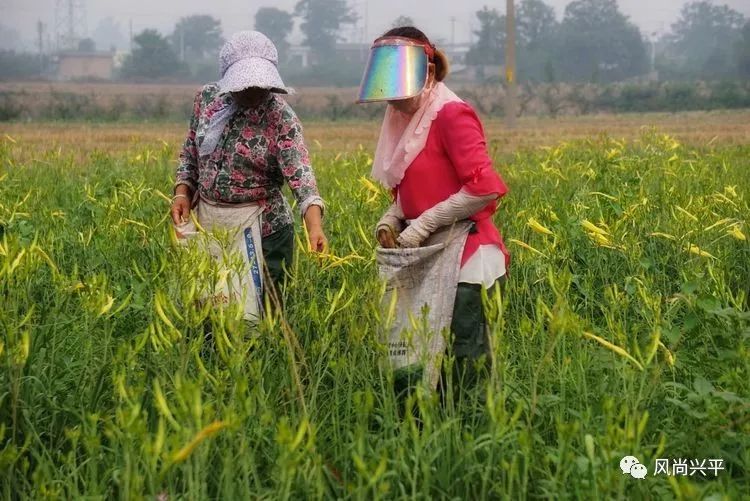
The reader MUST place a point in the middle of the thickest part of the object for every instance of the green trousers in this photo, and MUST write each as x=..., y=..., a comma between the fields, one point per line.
x=278, y=251
x=470, y=348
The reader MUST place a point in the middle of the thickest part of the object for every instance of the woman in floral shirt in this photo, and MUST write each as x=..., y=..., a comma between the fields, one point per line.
x=243, y=144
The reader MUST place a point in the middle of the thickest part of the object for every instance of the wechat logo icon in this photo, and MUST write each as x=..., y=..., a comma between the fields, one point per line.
x=631, y=466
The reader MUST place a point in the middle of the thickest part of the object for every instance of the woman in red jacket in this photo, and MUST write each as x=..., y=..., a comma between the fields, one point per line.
x=432, y=153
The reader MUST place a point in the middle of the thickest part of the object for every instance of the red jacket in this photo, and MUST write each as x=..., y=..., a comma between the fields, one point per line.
x=454, y=157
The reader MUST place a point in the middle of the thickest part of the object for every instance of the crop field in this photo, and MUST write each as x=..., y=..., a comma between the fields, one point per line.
x=113, y=102
x=624, y=329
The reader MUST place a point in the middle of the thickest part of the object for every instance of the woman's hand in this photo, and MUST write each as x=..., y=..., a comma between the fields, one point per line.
x=318, y=240
x=181, y=205
x=386, y=238
x=314, y=223
x=389, y=227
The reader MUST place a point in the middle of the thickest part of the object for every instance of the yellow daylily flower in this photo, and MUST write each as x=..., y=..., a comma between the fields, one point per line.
x=538, y=227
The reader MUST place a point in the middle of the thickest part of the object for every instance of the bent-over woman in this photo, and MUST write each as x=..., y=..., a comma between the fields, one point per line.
x=244, y=143
x=432, y=154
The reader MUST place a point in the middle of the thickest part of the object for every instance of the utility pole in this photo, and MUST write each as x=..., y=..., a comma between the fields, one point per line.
x=182, y=43
x=57, y=29
x=71, y=22
x=511, y=98
x=652, y=41
x=131, y=36
x=362, y=29
x=40, y=33
x=367, y=21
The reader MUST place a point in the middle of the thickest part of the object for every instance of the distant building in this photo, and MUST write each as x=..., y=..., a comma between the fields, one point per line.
x=353, y=52
x=298, y=56
x=302, y=56
x=73, y=65
x=456, y=53
x=477, y=74
x=460, y=71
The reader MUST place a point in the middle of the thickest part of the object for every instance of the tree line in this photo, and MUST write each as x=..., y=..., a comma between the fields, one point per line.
x=592, y=42
x=595, y=42
x=198, y=39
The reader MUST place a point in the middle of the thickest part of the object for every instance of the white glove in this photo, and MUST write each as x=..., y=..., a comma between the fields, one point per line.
x=456, y=207
x=413, y=235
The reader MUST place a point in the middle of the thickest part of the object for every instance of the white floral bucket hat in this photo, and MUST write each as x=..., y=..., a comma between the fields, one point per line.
x=250, y=59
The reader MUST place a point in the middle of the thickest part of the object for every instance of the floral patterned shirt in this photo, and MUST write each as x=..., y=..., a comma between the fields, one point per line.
x=260, y=149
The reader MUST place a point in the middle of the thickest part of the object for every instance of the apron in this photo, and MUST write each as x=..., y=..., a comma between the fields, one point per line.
x=421, y=288
x=231, y=234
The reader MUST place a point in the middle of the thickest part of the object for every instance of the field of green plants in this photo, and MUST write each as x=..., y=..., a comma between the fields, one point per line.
x=624, y=330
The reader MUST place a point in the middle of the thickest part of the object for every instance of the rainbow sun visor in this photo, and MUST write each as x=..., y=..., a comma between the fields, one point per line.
x=396, y=69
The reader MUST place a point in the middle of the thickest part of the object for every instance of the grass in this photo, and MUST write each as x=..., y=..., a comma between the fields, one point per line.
x=624, y=331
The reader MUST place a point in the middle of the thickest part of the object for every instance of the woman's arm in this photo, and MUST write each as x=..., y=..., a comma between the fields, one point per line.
x=314, y=224
x=456, y=207
x=463, y=141
x=186, y=180
x=294, y=161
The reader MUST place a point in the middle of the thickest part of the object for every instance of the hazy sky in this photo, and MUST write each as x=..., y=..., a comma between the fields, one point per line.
x=432, y=16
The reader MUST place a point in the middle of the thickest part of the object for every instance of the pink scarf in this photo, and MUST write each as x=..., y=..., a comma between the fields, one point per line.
x=403, y=137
